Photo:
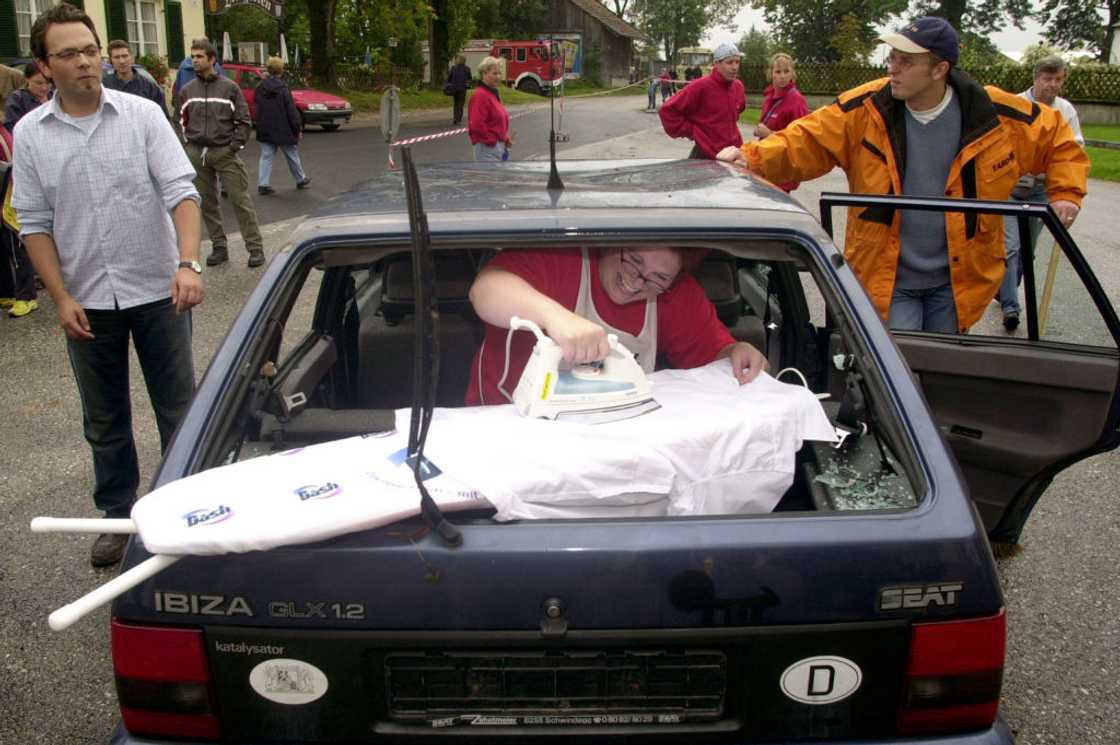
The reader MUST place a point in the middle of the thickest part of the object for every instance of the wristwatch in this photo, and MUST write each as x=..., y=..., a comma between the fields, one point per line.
x=194, y=266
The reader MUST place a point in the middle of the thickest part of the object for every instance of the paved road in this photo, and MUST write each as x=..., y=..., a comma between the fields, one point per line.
x=1063, y=676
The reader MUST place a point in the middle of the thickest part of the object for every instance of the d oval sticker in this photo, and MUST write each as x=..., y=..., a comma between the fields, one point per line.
x=821, y=680
x=291, y=682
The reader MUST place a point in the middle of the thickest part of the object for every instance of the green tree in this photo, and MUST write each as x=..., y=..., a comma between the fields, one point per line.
x=850, y=41
x=808, y=29
x=1036, y=52
x=673, y=24
x=756, y=47
x=1073, y=24
x=321, y=14
x=510, y=19
x=977, y=16
x=979, y=51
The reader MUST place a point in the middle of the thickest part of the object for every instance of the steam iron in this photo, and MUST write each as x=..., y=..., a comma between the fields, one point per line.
x=614, y=389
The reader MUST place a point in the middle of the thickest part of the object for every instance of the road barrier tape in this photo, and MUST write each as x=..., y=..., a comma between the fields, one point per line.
x=529, y=110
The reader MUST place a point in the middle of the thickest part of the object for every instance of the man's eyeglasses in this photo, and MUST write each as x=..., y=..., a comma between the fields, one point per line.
x=634, y=267
x=69, y=55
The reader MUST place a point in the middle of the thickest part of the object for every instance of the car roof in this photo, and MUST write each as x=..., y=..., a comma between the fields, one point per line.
x=610, y=194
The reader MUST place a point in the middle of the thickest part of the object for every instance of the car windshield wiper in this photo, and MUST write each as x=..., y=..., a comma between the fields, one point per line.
x=425, y=369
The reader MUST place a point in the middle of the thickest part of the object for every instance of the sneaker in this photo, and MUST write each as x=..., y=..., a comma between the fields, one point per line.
x=266, y=190
x=304, y=184
x=107, y=549
x=256, y=258
x=217, y=256
x=7, y=302
x=21, y=308
x=1011, y=320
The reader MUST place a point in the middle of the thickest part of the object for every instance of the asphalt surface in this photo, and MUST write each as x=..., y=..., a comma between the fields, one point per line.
x=1062, y=677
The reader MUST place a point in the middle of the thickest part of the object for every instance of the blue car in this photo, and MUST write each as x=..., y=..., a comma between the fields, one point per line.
x=865, y=608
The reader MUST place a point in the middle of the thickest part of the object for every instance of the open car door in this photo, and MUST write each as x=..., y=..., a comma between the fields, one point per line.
x=1019, y=409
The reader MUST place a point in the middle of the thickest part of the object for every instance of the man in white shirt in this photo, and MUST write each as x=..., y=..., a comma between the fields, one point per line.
x=110, y=217
x=1049, y=77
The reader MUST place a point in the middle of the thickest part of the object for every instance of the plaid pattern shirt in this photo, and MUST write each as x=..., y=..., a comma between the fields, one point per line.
x=103, y=187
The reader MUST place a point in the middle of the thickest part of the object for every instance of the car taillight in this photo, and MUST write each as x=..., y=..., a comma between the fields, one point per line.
x=163, y=682
x=953, y=676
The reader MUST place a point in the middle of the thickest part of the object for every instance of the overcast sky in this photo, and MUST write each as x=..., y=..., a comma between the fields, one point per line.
x=1011, y=42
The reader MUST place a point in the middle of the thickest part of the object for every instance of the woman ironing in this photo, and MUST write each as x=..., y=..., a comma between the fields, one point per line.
x=645, y=295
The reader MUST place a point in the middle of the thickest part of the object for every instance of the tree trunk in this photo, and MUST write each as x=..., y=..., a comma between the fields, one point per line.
x=952, y=11
x=438, y=48
x=321, y=16
x=1109, y=30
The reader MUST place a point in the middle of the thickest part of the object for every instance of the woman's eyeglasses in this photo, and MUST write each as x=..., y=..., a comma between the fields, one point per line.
x=634, y=268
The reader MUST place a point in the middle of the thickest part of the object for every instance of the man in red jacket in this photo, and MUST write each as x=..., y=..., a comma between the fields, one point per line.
x=707, y=110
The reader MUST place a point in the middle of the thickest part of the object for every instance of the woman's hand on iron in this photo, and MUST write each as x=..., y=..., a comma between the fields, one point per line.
x=580, y=340
x=746, y=361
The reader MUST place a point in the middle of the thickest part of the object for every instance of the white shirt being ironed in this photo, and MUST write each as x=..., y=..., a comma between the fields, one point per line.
x=103, y=188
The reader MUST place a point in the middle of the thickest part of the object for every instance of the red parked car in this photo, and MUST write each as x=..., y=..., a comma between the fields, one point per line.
x=315, y=107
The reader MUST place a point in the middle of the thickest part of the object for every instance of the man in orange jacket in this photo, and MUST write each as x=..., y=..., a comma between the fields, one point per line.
x=927, y=130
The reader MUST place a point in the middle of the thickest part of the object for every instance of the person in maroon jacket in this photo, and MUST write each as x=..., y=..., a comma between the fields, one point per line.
x=781, y=102
x=707, y=110
x=487, y=118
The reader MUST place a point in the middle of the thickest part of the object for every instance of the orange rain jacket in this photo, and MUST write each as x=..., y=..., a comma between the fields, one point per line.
x=864, y=132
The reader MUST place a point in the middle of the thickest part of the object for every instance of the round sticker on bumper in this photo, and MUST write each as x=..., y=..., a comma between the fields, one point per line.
x=821, y=680
x=291, y=682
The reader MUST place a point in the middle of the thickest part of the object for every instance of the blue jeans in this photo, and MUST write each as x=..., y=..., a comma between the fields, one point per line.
x=291, y=154
x=1013, y=276
x=932, y=309
x=162, y=339
x=486, y=152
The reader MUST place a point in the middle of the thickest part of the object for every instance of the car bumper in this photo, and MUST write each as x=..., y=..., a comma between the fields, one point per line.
x=998, y=734
x=337, y=116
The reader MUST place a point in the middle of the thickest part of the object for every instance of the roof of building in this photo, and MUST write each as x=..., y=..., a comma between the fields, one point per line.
x=601, y=13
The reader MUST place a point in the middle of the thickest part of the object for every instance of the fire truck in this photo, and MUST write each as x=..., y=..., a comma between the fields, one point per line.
x=528, y=65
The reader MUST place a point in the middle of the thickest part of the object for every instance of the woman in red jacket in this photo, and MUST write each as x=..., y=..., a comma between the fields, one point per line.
x=781, y=102
x=487, y=118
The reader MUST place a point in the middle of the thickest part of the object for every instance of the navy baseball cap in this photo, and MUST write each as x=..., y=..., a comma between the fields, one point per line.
x=929, y=34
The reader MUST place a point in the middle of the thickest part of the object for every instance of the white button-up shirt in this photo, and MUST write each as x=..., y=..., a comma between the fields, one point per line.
x=103, y=187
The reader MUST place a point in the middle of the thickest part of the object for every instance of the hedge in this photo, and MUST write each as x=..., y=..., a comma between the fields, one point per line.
x=1085, y=84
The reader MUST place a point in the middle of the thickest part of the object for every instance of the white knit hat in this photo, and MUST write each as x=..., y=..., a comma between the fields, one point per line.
x=725, y=50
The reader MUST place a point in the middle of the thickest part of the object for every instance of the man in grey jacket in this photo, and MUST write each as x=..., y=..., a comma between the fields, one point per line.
x=214, y=120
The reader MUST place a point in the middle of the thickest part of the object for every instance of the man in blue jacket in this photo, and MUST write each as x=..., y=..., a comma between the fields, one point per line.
x=278, y=127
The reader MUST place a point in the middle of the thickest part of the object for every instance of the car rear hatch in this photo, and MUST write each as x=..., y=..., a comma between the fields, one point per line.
x=707, y=629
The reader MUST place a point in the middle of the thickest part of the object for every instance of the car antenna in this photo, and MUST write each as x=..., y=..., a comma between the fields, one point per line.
x=554, y=182
x=425, y=370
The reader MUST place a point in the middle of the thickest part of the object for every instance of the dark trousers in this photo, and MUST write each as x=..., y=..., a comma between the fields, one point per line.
x=162, y=339
x=17, y=275
x=460, y=98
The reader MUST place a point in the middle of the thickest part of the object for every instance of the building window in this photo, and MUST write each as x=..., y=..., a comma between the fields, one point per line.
x=26, y=13
x=142, y=27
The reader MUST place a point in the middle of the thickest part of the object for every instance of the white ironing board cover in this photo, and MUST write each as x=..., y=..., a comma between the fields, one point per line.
x=713, y=448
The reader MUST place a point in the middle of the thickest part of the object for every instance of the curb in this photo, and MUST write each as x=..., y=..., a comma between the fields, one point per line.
x=1103, y=143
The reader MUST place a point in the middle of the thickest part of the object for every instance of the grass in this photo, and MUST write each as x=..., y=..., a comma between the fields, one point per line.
x=1106, y=132
x=1105, y=163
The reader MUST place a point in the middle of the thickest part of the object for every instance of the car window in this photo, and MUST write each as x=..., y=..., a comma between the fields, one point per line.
x=346, y=355
x=507, y=52
x=231, y=74
x=250, y=80
x=521, y=54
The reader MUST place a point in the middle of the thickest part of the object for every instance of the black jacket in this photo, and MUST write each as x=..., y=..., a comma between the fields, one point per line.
x=19, y=103
x=278, y=121
x=213, y=113
x=459, y=78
